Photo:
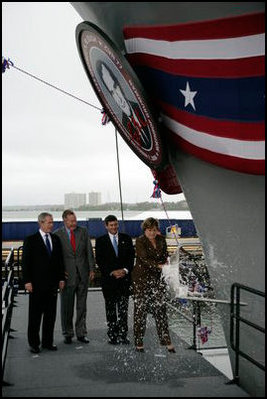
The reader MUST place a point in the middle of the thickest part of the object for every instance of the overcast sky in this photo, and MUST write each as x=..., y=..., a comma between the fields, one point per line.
x=52, y=143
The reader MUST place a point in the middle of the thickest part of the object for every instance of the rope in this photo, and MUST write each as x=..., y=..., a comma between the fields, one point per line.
x=119, y=178
x=50, y=85
x=157, y=194
x=165, y=210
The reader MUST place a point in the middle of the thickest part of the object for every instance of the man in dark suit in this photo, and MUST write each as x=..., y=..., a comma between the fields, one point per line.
x=43, y=274
x=115, y=258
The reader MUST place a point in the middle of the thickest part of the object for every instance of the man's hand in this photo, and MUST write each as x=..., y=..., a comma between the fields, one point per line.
x=28, y=287
x=61, y=285
x=119, y=273
x=92, y=275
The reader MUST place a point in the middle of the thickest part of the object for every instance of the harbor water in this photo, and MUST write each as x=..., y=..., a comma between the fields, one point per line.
x=32, y=215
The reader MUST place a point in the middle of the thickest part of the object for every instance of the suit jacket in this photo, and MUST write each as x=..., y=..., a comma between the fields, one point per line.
x=107, y=261
x=146, y=271
x=82, y=260
x=38, y=267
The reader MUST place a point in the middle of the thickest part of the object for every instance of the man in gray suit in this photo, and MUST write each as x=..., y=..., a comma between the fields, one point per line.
x=79, y=264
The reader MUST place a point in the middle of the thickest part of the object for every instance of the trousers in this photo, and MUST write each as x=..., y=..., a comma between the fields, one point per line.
x=42, y=309
x=68, y=296
x=117, y=315
x=150, y=299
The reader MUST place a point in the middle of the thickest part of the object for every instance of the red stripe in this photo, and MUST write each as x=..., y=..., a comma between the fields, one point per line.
x=256, y=167
x=220, y=128
x=244, y=67
x=244, y=25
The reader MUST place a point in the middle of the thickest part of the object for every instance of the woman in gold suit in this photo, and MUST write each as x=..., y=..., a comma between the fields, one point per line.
x=148, y=286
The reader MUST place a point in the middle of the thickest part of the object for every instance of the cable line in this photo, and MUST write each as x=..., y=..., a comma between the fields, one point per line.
x=119, y=178
x=9, y=63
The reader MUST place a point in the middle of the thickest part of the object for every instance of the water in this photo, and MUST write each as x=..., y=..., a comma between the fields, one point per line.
x=32, y=215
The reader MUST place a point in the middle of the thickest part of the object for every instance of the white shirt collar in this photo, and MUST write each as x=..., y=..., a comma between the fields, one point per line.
x=43, y=233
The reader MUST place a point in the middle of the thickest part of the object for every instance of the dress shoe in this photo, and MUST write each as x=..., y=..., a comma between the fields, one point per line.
x=113, y=341
x=139, y=349
x=50, y=347
x=124, y=341
x=34, y=349
x=171, y=350
x=85, y=340
x=68, y=340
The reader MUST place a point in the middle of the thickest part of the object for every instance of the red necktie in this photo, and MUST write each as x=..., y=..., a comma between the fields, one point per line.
x=72, y=240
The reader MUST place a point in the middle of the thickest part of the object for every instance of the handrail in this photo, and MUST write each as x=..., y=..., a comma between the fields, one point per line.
x=235, y=314
x=7, y=306
x=196, y=320
x=8, y=261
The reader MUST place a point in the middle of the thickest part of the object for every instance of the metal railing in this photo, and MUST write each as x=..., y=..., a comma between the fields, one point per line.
x=13, y=258
x=8, y=292
x=235, y=315
x=7, y=263
x=187, y=247
x=196, y=316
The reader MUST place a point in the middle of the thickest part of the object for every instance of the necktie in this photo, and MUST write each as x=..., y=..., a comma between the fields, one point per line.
x=72, y=240
x=48, y=245
x=115, y=245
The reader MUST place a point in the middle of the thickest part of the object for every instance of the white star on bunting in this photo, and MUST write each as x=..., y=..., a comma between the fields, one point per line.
x=189, y=96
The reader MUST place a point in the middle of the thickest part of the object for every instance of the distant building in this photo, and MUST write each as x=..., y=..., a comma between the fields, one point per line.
x=94, y=198
x=74, y=200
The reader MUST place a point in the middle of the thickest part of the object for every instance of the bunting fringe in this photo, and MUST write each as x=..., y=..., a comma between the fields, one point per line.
x=105, y=119
x=6, y=64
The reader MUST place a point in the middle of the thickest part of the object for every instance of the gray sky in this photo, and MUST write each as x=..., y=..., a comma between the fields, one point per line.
x=53, y=144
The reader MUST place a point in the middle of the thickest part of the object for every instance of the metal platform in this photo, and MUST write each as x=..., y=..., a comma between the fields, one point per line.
x=99, y=369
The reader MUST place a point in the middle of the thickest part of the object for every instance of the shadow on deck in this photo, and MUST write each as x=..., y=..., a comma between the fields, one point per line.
x=98, y=369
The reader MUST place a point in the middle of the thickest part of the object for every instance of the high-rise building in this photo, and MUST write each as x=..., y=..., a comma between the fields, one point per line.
x=94, y=198
x=74, y=200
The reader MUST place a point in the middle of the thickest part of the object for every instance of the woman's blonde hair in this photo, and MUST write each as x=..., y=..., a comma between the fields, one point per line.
x=149, y=223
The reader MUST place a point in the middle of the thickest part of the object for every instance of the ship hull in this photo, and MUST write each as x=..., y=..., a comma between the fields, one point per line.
x=227, y=207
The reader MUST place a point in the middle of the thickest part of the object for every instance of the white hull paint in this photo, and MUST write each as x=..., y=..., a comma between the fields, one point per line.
x=227, y=207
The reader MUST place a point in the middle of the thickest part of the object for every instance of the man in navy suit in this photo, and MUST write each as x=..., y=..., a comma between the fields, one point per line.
x=43, y=273
x=115, y=258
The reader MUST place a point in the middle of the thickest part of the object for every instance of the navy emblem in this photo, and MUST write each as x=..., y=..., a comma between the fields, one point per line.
x=119, y=92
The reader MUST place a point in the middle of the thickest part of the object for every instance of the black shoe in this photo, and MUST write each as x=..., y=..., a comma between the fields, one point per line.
x=50, y=347
x=124, y=341
x=171, y=350
x=113, y=341
x=140, y=350
x=68, y=340
x=34, y=349
x=85, y=340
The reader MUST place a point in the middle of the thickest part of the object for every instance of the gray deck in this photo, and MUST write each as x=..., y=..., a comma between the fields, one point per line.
x=98, y=369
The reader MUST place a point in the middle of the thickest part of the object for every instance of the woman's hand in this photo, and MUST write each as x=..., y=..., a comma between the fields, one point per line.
x=28, y=287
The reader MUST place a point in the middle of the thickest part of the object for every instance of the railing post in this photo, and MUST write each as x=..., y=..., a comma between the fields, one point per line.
x=194, y=346
x=196, y=322
x=237, y=330
x=235, y=315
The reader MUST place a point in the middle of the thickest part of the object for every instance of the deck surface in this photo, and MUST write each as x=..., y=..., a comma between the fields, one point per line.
x=99, y=369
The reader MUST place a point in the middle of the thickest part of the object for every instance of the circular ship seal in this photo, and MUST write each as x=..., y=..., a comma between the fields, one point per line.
x=120, y=92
